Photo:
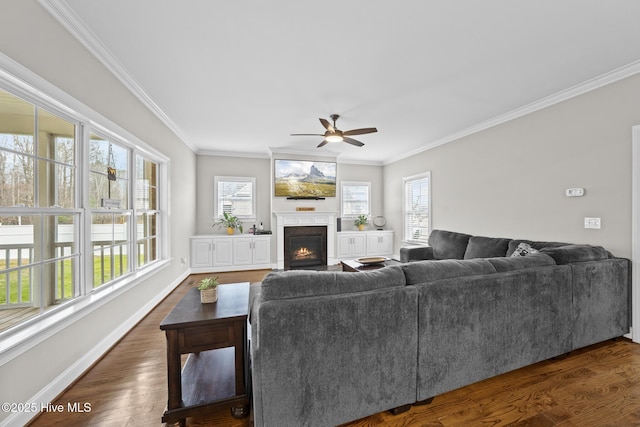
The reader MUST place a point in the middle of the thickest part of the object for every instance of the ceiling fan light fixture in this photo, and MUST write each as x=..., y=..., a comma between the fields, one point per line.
x=334, y=138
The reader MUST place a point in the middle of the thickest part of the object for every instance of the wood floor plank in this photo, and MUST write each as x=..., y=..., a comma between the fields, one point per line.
x=596, y=386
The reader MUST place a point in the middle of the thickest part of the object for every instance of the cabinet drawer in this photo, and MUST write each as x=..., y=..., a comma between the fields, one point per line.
x=200, y=338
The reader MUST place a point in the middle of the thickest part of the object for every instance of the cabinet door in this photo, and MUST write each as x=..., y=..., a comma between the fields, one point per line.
x=386, y=244
x=222, y=252
x=201, y=253
x=344, y=246
x=262, y=251
x=242, y=251
x=373, y=244
x=359, y=245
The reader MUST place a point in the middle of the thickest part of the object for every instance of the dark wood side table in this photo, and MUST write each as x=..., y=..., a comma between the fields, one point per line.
x=215, y=374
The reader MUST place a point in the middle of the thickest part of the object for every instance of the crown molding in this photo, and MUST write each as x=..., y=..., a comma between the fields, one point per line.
x=247, y=155
x=580, y=89
x=78, y=29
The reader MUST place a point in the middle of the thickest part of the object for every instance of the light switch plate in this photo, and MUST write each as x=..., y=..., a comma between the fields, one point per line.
x=592, y=223
x=574, y=192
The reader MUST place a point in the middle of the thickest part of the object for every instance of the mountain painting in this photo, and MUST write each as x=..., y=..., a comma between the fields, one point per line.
x=297, y=178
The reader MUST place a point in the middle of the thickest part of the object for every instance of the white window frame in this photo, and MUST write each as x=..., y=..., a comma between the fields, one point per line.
x=216, y=201
x=343, y=186
x=25, y=84
x=405, y=212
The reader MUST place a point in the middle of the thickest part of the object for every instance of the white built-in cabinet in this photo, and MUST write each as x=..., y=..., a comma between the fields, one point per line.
x=356, y=244
x=211, y=253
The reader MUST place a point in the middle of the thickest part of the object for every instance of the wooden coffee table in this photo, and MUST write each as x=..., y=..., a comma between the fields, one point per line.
x=216, y=372
x=354, y=266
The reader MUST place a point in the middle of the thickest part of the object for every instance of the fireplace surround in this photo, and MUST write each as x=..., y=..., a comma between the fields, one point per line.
x=304, y=219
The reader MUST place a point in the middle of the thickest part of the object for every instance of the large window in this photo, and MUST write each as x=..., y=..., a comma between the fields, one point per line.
x=235, y=195
x=356, y=198
x=417, y=208
x=78, y=209
x=39, y=222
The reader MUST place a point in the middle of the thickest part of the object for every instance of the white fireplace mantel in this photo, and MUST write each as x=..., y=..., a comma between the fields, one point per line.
x=305, y=219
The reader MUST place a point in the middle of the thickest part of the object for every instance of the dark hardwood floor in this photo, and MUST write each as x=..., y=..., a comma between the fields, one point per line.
x=596, y=386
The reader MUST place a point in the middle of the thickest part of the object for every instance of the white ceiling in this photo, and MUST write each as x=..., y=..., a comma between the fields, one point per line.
x=241, y=76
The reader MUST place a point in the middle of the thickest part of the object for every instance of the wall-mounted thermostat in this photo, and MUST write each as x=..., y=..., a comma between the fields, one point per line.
x=574, y=192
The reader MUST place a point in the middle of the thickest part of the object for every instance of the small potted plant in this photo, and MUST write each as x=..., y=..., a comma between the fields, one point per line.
x=208, y=289
x=361, y=221
x=231, y=222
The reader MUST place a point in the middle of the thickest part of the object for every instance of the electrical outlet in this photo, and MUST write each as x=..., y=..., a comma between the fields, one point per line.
x=183, y=261
x=592, y=223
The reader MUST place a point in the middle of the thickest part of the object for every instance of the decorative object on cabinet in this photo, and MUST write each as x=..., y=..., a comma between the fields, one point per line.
x=231, y=222
x=379, y=222
x=361, y=221
x=208, y=288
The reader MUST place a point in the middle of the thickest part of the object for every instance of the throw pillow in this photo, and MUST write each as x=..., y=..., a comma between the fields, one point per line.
x=524, y=249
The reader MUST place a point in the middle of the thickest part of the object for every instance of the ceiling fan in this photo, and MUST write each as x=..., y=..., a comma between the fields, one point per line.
x=333, y=134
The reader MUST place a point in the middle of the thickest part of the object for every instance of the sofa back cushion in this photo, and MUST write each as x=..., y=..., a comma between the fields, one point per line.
x=576, y=253
x=306, y=283
x=448, y=244
x=486, y=247
x=503, y=264
x=429, y=271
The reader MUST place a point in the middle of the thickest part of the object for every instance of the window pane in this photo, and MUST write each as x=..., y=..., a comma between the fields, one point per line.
x=235, y=197
x=57, y=185
x=16, y=180
x=110, y=240
x=417, y=209
x=355, y=199
x=146, y=184
x=103, y=155
x=17, y=123
x=55, y=138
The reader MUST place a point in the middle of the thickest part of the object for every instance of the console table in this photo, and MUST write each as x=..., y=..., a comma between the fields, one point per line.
x=216, y=372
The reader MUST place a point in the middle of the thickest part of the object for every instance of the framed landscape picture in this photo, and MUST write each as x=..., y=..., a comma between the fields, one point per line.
x=304, y=179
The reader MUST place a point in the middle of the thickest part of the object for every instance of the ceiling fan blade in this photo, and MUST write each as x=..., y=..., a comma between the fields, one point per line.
x=353, y=141
x=323, y=143
x=307, y=134
x=360, y=131
x=328, y=126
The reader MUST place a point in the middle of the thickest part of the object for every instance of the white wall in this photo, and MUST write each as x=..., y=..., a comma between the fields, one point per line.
x=31, y=37
x=509, y=180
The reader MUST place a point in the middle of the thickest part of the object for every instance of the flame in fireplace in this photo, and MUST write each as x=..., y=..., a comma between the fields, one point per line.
x=303, y=253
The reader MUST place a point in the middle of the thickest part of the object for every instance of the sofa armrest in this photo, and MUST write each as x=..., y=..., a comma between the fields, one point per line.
x=416, y=253
x=255, y=289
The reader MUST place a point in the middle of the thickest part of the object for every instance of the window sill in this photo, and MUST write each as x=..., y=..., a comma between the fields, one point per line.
x=22, y=338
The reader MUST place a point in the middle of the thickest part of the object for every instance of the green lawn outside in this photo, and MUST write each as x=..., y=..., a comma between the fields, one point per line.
x=65, y=281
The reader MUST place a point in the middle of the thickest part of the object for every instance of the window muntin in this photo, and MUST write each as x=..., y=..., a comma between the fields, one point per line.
x=235, y=195
x=417, y=208
x=356, y=198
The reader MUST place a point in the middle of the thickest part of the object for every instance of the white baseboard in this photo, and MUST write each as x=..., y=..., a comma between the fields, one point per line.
x=73, y=372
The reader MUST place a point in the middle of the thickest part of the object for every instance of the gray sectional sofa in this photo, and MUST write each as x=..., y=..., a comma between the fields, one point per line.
x=331, y=347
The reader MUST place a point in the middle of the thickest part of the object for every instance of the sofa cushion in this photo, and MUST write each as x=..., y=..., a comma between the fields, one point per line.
x=448, y=244
x=534, y=244
x=428, y=271
x=576, y=253
x=486, y=247
x=307, y=283
x=511, y=263
x=524, y=249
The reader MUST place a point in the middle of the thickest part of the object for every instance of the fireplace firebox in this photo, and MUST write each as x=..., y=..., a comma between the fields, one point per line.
x=305, y=247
